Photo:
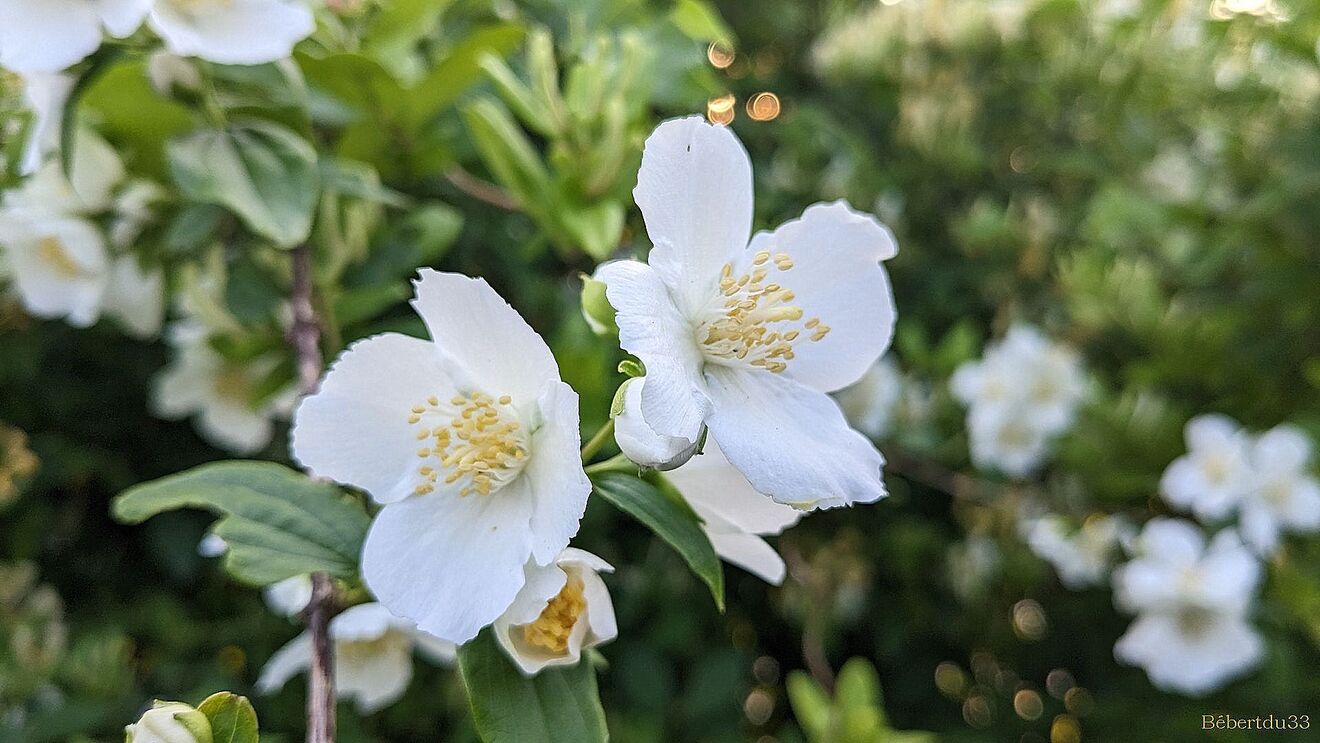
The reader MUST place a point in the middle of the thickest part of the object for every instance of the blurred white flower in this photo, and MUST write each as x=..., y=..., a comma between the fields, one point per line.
x=170, y=722
x=216, y=392
x=562, y=609
x=639, y=442
x=59, y=264
x=1082, y=557
x=243, y=32
x=49, y=35
x=212, y=545
x=1212, y=478
x=1283, y=495
x=470, y=442
x=1173, y=176
x=135, y=297
x=1191, y=634
x=748, y=339
x=735, y=516
x=168, y=71
x=45, y=94
x=1021, y=394
x=290, y=596
x=373, y=657
x=133, y=210
x=869, y=404
x=973, y=565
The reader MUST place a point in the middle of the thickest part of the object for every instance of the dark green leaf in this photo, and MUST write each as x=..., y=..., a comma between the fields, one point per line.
x=233, y=720
x=278, y=523
x=557, y=704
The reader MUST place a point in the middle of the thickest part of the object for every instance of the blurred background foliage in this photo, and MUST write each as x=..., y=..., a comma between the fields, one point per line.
x=1140, y=179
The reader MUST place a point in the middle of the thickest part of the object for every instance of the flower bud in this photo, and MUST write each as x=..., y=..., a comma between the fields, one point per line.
x=638, y=441
x=170, y=722
x=596, y=309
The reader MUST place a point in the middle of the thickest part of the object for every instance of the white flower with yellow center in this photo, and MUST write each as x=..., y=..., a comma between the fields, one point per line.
x=49, y=35
x=1191, y=634
x=1214, y=475
x=373, y=652
x=748, y=339
x=242, y=32
x=735, y=517
x=563, y=609
x=469, y=440
x=1082, y=557
x=1006, y=441
x=1284, y=495
x=217, y=392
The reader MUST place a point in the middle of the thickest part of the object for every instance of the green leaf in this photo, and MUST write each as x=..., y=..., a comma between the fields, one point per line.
x=557, y=704
x=810, y=704
x=671, y=519
x=233, y=720
x=130, y=112
x=278, y=523
x=193, y=229
x=263, y=172
x=97, y=64
x=460, y=70
x=699, y=20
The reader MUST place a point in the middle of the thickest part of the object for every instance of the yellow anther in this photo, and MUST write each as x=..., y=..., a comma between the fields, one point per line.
x=552, y=628
x=505, y=399
x=479, y=446
x=751, y=324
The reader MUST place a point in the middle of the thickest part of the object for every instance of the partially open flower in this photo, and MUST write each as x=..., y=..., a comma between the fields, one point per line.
x=562, y=609
x=170, y=722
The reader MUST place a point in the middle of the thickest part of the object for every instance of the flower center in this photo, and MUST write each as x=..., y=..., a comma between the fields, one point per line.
x=757, y=322
x=53, y=253
x=474, y=438
x=1194, y=621
x=232, y=384
x=552, y=628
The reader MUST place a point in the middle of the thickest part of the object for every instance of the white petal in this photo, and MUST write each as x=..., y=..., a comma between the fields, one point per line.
x=47, y=36
x=373, y=674
x=440, y=652
x=212, y=545
x=1209, y=431
x=287, y=662
x=1260, y=528
x=750, y=553
x=675, y=401
x=1173, y=541
x=355, y=429
x=234, y=426
x=1284, y=448
x=135, y=297
x=836, y=277
x=45, y=93
x=49, y=288
x=1302, y=512
x=639, y=442
x=554, y=473
x=289, y=596
x=365, y=622
x=122, y=17
x=477, y=330
x=601, y=623
x=725, y=500
x=792, y=442
x=695, y=192
x=244, y=32
x=543, y=582
x=451, y=564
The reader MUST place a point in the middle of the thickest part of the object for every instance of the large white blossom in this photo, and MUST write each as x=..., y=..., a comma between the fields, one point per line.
x=469, y=440
x=373, y=657
x=1283, y=494
x=1191, y=634
x=1021, y=395
x=217, y=392
x=869, y=404
x=563, y=609
x=735, y=517
x=749, y=338
x=232, y=31
x=1212, y=478
x=49, y=35
x=1083, y=556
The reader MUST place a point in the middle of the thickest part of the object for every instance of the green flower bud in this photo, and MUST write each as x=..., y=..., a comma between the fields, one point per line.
x=596, y=308
x=170, y=722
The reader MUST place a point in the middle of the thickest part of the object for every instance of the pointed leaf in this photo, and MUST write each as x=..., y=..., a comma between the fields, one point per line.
x=233, y=720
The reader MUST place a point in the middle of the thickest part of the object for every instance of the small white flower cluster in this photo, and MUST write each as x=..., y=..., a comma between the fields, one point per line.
x=1267, y=480
x=47, y=36
x=1021, y=395
x=1081, y=556
x=63, y=263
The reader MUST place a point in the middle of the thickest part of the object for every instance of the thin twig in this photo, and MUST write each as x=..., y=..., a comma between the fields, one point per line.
x=600, y=438
x=480, y=189
x=306, y=338
x=938, y=477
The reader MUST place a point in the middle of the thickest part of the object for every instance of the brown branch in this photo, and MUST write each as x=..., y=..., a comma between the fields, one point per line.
x=481, y=190
x=938, y=477
x=305, y=336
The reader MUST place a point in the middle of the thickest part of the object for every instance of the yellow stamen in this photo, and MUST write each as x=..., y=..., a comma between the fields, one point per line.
x=552, y=628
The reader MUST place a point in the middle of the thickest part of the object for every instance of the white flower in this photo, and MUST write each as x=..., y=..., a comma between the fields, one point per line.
x=133, y=211
x=749, y=339
x=290, y=596
x=1191, y=635
x=373, y=657
x=217, y=391
x=49, y=35
x=470, y=442
x=1211, y=479
x=135, y=297
x=735, y=516
x=60, y=265
x=639, y=442
x=170, y=722
x=562, y=609
x=869, y=404
x=45, y=94
x=232, y=31
x=167, y=71
x=1283, y=496
x=1082, y=557
x=1006, y=441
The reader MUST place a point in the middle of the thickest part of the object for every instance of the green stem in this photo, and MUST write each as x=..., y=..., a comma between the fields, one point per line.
x=616, y=463
x=605, y=433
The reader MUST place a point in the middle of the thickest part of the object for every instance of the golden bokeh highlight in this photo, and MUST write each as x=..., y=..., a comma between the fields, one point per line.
x=950, y=680
x=1028, y=705
x=719, y=110
x=763, y=107
x=1029, y=622
x=1065, y=729
x=1079, y=701
x=976, y=711
x=720, y=56
x=758, y=707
